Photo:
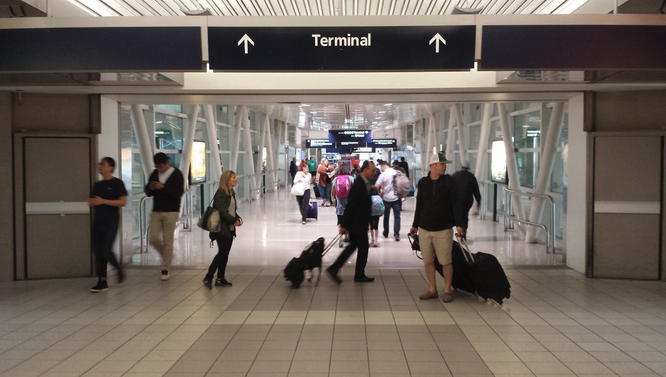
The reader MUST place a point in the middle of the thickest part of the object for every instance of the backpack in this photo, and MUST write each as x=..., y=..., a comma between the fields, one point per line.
x=401, y=184
x=377, y=208
x=342, y=186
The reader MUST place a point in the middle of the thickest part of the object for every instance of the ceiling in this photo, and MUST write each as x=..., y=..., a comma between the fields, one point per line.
x=128, y=8
x=376, y=116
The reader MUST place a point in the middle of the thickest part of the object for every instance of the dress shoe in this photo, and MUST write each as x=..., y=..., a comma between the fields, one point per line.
x=333, y=275
x=364, y=279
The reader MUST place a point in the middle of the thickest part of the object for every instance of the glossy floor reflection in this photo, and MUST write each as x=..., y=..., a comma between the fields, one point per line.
x=273, y=234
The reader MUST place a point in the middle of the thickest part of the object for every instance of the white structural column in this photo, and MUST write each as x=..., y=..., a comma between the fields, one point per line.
x=450, y=136
x=432, y=133
x=211, y=127
x=261, y=134
x=511, y=163
x=462, y=148
x=143, y=139
x=271, y=164
x=235, y=145
x=480, y=170
x=546, y=169
x=186, y=157
x=249, y=154
x=419, y=131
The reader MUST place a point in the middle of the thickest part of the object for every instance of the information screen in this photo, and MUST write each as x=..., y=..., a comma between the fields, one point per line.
x=339, y=136
x=318, y=143
x=498, y=172
x=198, y=162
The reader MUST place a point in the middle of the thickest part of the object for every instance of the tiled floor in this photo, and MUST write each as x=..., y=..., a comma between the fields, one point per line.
x=556, y=323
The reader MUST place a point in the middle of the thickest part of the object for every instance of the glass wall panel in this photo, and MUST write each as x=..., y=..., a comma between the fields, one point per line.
x=173, y=108
x=527, y=168
x=557, y=177
x=527, y=130
x=168, y=131
x=222, y=113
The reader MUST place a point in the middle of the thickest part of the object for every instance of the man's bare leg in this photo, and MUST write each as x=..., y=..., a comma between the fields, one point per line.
x=448, y=276
x=432, y=282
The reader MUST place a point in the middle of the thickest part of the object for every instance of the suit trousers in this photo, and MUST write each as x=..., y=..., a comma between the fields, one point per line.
x=356, y=241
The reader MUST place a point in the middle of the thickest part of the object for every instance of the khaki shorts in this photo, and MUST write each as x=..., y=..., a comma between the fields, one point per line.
x=440, y=242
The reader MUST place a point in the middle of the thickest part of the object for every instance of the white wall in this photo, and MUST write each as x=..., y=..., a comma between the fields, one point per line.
x=575, y=170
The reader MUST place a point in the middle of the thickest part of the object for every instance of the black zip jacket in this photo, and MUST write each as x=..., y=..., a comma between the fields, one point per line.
x=168, y=198
x=438, y=206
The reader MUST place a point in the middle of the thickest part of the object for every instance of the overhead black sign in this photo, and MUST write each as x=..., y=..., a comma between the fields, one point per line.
x=385, y=48
x=383, y=143
x=573, y=47
x=101, y=49
x=318, y=143
x=339, y=136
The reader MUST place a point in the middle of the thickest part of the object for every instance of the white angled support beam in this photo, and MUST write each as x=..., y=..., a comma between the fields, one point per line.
x=511, y=163
x=462, y=146
x=143, y=139
x=271, y=164
x=211, y=127
x=450, y=136
x=484, y=135
x=186, y=157
x=555, y=127
x=249, y=153
x=261, y=126
x=236, y=134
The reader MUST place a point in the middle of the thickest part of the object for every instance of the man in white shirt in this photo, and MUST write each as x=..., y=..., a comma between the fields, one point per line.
x=385, y=185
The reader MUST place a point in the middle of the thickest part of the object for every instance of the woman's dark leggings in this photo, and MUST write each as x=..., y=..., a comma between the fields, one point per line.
x=304, y=203
x=220, y=261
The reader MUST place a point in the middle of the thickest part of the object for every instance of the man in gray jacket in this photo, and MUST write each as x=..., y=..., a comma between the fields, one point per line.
x=438, y=210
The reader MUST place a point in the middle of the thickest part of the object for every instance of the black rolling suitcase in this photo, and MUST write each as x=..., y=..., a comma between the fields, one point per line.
x=309, y=259
x=479, y=274
x=480, y=271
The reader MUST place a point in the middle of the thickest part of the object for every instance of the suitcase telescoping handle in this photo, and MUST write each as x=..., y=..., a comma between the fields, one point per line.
x=330, y=244
x=465, y=249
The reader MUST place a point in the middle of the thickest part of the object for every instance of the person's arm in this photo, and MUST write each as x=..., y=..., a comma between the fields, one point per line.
x=477, y=193
x=96, y=201
x=417, y=211
x=148, y=187
x=456, y=205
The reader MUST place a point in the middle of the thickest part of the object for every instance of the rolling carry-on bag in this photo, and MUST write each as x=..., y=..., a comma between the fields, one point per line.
x=486, y=274
x=312, y=211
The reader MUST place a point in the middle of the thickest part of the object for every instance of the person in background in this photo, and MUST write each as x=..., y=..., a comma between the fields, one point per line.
x=355, y=171
x=225, y=202
x=405, y=166
x=324, y=181
x=312, y=169
x=438, y=210
x=166, y=185
x=385, y=185
x=108, y=195
x=396, y=166
x=304, y=179
x=469, y=190
x=293, y=169
x=377, y=172
x=355, y=220
x=341, y=185
x=375, y=213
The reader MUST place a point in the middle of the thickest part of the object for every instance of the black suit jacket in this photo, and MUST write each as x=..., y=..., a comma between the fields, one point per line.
x=357, y=211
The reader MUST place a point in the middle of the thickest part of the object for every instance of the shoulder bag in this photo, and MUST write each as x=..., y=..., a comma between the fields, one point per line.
x=210, y=220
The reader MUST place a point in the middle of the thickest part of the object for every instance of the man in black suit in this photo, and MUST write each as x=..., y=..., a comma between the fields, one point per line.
x=355, y=220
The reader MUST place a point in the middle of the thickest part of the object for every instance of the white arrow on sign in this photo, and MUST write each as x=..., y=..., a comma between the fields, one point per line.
x=437, y=38
x=247, y=39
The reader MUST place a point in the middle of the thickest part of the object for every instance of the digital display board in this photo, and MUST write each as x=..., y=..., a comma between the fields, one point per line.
x=198, y=162
x=318, y=143
x=498, y=172
x=383, y=143
x=338, y=136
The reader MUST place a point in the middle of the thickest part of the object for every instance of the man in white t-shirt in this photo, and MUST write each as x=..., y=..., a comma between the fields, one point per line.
x=391, y=200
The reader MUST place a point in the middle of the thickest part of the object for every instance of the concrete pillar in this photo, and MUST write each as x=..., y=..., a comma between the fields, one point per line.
x=186, y=157
x=236, y=133
x=462, y=146
x=480, y=169
x=450, y=136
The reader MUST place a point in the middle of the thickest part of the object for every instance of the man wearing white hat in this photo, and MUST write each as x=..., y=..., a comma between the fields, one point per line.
x=438, y=210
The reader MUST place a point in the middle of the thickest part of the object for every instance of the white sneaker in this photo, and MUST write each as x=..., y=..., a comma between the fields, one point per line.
x=165, y=275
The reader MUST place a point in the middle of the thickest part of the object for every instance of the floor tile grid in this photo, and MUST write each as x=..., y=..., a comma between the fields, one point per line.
x=573, y=327
x=97, y=320
x=234, y=341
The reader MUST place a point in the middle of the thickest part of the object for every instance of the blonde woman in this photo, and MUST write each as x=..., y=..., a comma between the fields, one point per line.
x=225, y=203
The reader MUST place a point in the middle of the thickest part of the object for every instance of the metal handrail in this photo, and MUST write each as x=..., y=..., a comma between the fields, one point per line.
x=143, y=235
x=508, y=198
